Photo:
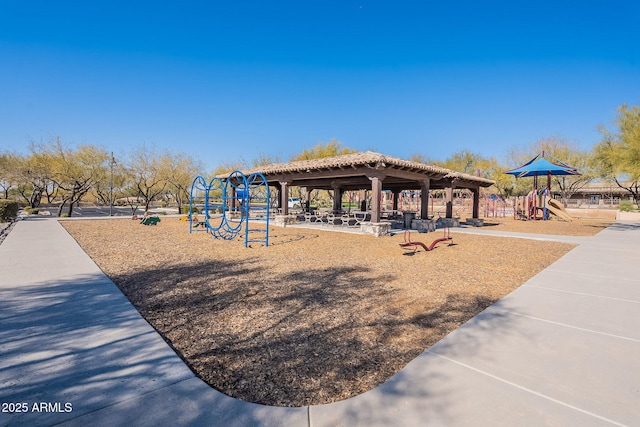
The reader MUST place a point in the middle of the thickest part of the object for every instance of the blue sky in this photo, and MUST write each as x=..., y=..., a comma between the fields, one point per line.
x=226, y=80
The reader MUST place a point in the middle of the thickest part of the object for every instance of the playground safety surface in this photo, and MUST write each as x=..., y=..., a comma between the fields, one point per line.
x=317, y=316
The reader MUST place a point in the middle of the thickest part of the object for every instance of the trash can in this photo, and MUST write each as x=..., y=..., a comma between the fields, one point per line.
x=408, y=217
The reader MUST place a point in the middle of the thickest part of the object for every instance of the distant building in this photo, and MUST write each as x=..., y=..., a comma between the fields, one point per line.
x=596, y=194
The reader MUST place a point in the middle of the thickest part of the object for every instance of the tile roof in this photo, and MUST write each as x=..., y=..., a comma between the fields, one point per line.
x=366, y=158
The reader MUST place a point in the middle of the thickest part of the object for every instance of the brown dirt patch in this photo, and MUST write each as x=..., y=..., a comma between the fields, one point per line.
x=315, y=317
x=577, y=227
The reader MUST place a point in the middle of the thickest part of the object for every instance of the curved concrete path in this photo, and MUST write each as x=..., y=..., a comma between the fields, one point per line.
x=563, y=349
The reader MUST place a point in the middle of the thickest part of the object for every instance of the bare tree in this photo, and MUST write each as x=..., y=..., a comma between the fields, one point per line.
x=33, y=174
x=149, y=174
x=74, y=171
x=181, y=170
x=9, y=172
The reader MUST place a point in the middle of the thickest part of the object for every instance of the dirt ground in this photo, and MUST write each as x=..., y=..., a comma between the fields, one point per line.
x=317, y=316
x=577, y=227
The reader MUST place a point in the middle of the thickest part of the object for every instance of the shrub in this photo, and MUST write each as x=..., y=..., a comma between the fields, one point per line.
x=8, y=210
x=627, y=206
x=185, y=209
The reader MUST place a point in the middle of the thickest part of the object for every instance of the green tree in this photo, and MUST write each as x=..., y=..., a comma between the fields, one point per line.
x=181, y=170
x=263, y=159
x=321, y=150
x=33, y=174
x=149, y=174
x=102, y=191
x=230, y=166
x=468, y=162
x=421, y=158
x=9, y=172
x=475, y=164
x=115, y=184
x=74, y=171
x=617, y=156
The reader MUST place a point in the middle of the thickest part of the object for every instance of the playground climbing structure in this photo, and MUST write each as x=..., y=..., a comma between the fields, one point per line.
x=231, y=206
x=539, y=202
x=539, y=205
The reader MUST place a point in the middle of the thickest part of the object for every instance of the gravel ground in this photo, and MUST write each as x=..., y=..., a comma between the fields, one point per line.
x=317, y=316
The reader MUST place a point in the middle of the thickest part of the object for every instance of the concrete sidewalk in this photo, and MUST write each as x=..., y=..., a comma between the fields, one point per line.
x=563, y=349
x=488, y=231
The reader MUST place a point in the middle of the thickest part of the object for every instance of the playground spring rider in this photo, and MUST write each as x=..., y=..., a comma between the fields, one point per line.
x=238, y=195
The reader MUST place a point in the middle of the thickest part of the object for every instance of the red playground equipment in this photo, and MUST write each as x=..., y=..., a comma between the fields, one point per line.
x=413, y=246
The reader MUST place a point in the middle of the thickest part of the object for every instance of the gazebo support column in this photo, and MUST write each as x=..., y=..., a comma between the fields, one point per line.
x=476, y=202
x=376, y=193
x=424, y=198
x=307, y=200
x=284, y=197
x=337, y=199
x=449, y=201
x=396, y=196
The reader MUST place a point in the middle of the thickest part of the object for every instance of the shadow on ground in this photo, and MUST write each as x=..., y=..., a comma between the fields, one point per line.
x=624, y=226
x=308, y=337
x=80, y=345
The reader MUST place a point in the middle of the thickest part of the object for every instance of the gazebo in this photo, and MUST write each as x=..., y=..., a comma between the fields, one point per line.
x=370, y=171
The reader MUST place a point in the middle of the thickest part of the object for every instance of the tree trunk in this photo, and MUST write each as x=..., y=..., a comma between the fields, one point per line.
x=70, y=211
x=64, y=202
x=34, y=200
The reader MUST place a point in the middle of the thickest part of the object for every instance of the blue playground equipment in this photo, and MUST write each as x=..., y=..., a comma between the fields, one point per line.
x=230, y=205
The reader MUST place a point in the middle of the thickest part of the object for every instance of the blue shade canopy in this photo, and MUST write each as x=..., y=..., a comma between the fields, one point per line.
x=540, y=166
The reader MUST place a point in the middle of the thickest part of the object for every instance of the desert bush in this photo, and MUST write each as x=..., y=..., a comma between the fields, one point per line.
x=185, y=209
x=8, y=210
x=627, y=206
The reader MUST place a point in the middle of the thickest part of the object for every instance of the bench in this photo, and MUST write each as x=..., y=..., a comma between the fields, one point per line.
x=150, y=220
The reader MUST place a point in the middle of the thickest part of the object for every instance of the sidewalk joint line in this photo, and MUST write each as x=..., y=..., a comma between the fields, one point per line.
x=567, y=325
x=579, y=273
x=536, y=393
x=584, y=294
